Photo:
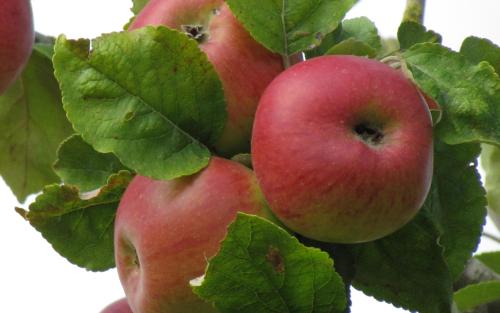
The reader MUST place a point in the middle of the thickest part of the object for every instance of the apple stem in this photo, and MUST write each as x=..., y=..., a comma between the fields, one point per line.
x=286, y=61
x=414, y=11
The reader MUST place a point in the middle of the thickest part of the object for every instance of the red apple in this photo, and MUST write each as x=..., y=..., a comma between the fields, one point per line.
x=342, y=149
x=120, y=306
x=166, y=230
x=243, y=65
x=16, y=39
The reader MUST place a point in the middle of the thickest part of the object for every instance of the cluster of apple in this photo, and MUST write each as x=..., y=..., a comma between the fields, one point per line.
x=341, y=148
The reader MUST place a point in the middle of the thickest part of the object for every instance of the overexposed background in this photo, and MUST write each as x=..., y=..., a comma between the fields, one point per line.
x=34, y=278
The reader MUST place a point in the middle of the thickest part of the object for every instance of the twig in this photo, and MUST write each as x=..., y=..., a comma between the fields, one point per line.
x=491, y=237
x=414, y=11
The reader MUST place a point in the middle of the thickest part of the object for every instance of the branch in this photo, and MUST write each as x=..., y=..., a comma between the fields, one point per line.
x=414, y=11
x=491, y=237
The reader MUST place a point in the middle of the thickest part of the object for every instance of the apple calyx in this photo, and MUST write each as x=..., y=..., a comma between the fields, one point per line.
x=369, y=133
x=199, y=31
x=195, y=32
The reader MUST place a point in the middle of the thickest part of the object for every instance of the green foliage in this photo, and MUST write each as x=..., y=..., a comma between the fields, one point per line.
x=469, y=94
x=79, y=227
x=491, y=260
x=288, y=27
x=474, y=295
x=363, y=30
x=261, y=268
x=416, y=266
x=490, y=161
x=32, y=124
x=406, y=268
x=480, y=49
x=411, y=33
x=138, y=5
x=80, y=165
x=357, y=36
x=149, y=96
x=457, y=202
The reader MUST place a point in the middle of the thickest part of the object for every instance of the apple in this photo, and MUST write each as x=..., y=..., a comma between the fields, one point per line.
x=17, y=36
x=342, y=149
x=166, y=230
x=119, y=306
x=244, y=67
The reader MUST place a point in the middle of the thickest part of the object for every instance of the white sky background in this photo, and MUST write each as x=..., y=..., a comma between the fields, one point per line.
x=34, y=278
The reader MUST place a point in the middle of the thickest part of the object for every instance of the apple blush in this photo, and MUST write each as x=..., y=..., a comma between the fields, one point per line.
x=165, y=231
x=342, y=149
x=17, y=36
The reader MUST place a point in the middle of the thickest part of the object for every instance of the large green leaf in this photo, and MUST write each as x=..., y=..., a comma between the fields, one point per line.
x=477, y=50
x=79, y=227
x=406, y=268
x=261, y=268
x=457, y=202
x=150, y=96
x=32, y=124
x=415, y=267
x=468, y=93
x=80, y=165
x=288, y=27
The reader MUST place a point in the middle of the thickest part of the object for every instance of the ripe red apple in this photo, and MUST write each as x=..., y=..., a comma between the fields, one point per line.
x=243, y=65
x=342, y=149
x=119, y=306
x=166, y=230
x=16, y=39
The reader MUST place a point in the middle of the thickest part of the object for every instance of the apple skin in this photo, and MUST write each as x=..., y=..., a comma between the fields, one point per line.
x=245, y=68
x=166, y=230
x=17, y=36
x=119, y=306
x=319, y=176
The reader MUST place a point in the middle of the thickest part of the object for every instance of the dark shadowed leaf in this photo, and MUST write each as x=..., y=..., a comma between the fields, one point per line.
x=32, y=124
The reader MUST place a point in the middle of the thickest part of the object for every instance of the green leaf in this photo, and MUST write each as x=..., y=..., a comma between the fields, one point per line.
x=479, y=49
x=474, y=295
x=357, y=36
x=362, y=29
x=491, y=260
x=288, y=27
x=415, y=267
x=469, y=94
x=149, y=96
x=490, y=161
x=411, y=33
x=79, y=227
x=457, y=202
x=138, y=5
x=406, y=268
x=80, y=165
x=32, y=124
x=261, y=268
x=354, y=47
